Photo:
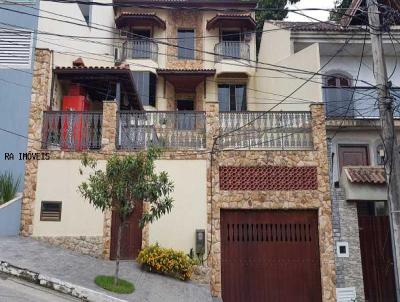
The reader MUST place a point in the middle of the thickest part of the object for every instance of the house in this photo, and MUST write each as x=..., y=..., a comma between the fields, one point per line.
x=17, y=42
x=363, y=251
x=250, y=170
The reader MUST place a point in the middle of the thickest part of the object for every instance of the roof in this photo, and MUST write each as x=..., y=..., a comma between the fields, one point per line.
x=139, y=19
x=186, y=71
x=232, y=20
x=365, y=174
x=315, y=26
x=194, y=3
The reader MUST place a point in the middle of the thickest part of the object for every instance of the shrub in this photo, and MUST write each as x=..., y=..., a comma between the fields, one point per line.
x=166, y=261
x=8, y=187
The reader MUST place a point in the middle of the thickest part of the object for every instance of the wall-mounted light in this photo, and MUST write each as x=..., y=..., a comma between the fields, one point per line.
x=200, y=241
x=380, y=155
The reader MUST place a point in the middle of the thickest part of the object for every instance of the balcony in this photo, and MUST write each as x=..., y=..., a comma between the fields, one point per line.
x=71, y=130
x=140, y=50
x=355, y=102
x=167, y=129
x=266, y=130
x=232, y=50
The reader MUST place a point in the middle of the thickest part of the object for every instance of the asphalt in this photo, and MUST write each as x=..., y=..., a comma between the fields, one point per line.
x=15, y=290
x=81, y=270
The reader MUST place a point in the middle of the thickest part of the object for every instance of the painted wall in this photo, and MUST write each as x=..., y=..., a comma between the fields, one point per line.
x=15, y=91
x=10, y=217
x=58, y=180
x=177, y=229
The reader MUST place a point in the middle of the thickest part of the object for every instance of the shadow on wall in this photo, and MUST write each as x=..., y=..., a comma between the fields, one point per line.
x=10, y=216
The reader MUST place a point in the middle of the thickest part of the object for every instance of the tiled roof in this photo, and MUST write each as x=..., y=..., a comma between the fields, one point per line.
x=100, y=68
x=315, y=26
x=232, y=20
x=181, y=70
x=365, y=174
x=125, y=18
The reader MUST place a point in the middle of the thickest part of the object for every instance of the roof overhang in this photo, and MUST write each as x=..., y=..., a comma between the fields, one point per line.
x=100, y=78
x=231, y=4
x=364, y=183
x=139, y=19
x=185, y=80
x=232, y=20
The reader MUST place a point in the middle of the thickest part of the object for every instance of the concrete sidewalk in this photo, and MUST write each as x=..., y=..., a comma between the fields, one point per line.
x=81, y=270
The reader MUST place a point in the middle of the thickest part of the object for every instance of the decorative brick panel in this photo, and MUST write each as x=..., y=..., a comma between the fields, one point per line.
x=266, y=178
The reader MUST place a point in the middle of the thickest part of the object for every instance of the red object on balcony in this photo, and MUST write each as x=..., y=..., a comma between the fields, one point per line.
x=74, y=126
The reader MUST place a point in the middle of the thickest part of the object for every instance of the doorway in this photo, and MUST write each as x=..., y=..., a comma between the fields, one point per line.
x=353, y=155
x=185, y=120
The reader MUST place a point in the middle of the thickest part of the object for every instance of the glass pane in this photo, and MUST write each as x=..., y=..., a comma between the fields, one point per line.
x=224, y=97
x=240, y=96
x=186, y=41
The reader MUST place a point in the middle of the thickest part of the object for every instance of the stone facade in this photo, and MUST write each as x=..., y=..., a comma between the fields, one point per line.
x=87, y=245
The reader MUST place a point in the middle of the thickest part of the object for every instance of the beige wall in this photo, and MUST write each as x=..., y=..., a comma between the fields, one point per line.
x=177, y=229
x=58, y=180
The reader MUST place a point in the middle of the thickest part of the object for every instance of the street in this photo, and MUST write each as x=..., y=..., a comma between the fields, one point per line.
x=13, y=290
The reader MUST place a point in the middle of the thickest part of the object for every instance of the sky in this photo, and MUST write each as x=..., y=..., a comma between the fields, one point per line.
x=320, y=15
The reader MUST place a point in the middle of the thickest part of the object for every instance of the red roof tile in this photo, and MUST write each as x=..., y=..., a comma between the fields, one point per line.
x=364, y=174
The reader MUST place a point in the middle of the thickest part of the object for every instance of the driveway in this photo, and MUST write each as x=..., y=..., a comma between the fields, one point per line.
x=81, y=270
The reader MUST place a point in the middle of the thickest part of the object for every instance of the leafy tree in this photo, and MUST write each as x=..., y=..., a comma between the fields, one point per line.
x=340, y=8
x=126, y=182
x=277, y=12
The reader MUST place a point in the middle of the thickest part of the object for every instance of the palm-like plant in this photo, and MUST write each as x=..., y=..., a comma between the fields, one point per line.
x=8, y=187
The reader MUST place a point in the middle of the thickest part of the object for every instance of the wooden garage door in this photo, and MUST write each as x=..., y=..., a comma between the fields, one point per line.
x=270, y=256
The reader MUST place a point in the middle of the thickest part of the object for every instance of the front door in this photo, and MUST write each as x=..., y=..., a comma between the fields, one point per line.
x=270, y=256
x=185, y=120
x=350, y=155
x=376, y=252
x=131, y=237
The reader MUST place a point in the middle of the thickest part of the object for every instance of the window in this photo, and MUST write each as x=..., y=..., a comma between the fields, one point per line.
x=86, y=11
x=186, y=44
x=15, y=48
x=232, y=97
x=50, y=211
x=145, y=82
x=338, y=97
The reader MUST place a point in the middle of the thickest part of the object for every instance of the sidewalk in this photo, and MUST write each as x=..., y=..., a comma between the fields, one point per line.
x=81, y=270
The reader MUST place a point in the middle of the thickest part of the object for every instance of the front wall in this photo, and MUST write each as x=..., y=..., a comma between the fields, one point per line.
x=177, y=229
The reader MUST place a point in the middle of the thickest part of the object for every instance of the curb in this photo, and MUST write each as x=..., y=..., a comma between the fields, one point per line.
x=83, y=293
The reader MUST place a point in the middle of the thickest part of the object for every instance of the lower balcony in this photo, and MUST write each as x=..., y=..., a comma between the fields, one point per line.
x=167, y=129
x=71, y=130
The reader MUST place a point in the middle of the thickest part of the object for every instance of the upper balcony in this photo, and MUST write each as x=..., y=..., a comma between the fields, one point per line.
x=232, y=50
x=140, y=50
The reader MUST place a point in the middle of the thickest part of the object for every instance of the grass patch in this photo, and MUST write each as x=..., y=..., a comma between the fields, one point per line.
x=107, y=282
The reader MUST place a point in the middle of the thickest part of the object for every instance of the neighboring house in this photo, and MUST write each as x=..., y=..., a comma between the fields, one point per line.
x=255, y=183
x=364, y=262
x=17, y=42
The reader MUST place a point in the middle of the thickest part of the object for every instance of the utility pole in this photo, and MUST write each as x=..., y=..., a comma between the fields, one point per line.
x=392, y=157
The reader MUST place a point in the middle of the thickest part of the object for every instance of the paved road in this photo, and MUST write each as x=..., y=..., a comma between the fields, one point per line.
x=15, y=290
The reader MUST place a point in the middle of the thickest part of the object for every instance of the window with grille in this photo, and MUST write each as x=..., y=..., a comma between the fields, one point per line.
x=186, y=44
x=15, y=48
x=50, y=211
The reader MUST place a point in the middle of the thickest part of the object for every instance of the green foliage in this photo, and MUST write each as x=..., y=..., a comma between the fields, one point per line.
x=127, y=181
x=166, y=261
x=340, y=9
x=122, y=286
x=8, y=187
x=267, y=14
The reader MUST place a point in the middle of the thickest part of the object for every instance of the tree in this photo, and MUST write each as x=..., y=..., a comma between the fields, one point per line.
x=340, y=9
x=278, y=12
x=126, y=182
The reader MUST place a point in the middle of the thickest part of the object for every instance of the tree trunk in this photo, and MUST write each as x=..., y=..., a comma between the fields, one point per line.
x=118, y=253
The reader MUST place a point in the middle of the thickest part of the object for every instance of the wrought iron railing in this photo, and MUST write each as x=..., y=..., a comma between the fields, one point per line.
x=140, y=49
x=167, y=129
x=232, y=50
x=71, y=130
x=355, y=102
x=265, y=130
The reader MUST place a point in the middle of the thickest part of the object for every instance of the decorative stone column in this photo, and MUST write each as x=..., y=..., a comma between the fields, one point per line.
x=212, y=123
x=109, y=128
x=39, y=100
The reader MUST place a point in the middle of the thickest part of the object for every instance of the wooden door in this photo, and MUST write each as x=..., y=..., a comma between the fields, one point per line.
x=376, y=255
x=270, y=256
x=353, y=156
x=131, y=238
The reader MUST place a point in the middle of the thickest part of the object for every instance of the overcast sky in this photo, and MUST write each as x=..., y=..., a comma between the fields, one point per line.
x=320, y=15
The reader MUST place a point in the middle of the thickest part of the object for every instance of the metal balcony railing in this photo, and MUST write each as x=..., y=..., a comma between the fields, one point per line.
x=140, y=49
x=71, y=130
x=167, y=129
x=355, y=102
x=232, y=50
x=265, y=130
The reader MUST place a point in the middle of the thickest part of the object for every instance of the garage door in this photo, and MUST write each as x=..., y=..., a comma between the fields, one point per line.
x=270, y=256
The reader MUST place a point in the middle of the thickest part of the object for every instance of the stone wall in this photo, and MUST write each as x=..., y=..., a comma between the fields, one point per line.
x=87, y=245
